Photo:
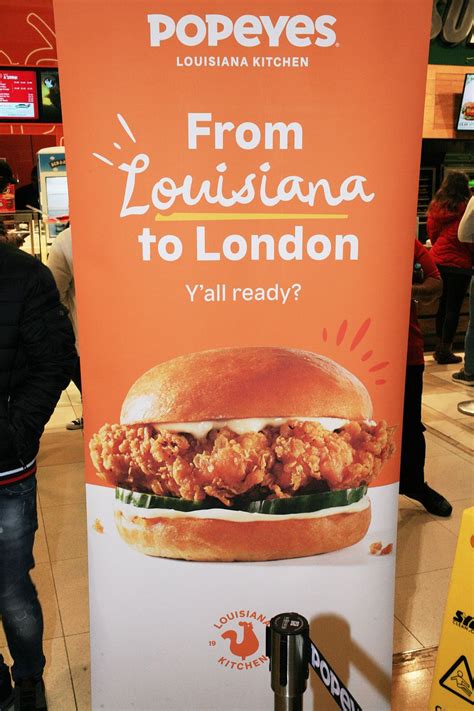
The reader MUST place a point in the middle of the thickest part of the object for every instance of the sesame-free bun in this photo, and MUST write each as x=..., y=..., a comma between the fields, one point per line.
x=193, y=538
x=234, y=383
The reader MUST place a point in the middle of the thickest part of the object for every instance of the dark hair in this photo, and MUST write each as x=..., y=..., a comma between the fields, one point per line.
x=454, y=190
x=3, y=229
x=6, y=175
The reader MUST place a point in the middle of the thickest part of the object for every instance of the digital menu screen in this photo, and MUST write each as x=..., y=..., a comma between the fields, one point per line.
x=18, y=94
x=466, y=114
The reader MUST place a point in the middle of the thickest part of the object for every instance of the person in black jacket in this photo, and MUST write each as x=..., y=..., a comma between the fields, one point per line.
x=37, y=356
x=28, y=195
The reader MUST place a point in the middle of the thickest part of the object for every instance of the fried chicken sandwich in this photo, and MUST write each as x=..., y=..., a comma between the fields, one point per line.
x=243, y=454
x=468, y=111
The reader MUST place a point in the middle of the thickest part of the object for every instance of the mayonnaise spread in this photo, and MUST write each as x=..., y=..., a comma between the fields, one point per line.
x=129, y=511
x=199, y=430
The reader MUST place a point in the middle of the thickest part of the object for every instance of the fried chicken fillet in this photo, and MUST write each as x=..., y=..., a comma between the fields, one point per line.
x=277, y=462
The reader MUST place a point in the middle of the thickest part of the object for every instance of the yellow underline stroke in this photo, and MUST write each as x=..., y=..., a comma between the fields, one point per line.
x=217, y=216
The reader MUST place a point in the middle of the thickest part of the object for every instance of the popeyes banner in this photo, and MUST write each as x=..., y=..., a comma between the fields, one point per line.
x=243, y=198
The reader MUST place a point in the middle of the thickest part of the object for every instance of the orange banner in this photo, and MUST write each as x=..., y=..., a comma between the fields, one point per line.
x=243, y=194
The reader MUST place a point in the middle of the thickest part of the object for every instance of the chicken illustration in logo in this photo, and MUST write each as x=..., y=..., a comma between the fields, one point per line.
x=247, y=646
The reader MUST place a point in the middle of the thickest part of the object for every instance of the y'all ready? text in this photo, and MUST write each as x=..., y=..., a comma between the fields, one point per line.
x=220, y=293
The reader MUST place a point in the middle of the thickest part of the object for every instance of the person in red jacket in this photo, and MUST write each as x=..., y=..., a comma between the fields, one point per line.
x=453, y=259
x=412, y=470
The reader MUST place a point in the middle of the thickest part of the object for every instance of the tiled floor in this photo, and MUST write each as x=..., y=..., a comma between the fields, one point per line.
x=426, y=548
x=426, y=544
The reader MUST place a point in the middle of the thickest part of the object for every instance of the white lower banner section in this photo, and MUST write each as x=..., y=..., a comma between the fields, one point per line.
x=169, y=634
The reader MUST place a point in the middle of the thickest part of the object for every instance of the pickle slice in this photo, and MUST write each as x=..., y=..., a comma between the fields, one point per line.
x=305, y=503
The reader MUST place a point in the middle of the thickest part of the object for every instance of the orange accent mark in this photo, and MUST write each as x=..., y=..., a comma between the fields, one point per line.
x=360, y=334
x=341, y=333
x=378, y=366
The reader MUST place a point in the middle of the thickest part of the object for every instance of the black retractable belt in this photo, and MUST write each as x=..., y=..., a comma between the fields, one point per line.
x=288, y=648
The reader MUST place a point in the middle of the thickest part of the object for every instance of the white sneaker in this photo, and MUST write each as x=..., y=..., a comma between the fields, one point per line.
x=76, y=424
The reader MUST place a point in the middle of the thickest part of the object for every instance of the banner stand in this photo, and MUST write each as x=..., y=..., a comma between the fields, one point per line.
x=243, y=282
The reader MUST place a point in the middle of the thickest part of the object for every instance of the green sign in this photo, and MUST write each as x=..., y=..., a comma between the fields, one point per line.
x=452, y=35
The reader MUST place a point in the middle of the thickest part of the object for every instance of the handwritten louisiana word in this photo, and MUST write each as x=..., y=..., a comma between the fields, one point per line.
x=292, y=246
x=224, y=191
x=222, y=292
x=215, y=191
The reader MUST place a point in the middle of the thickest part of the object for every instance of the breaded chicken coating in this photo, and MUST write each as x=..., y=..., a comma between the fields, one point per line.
x=297, y=457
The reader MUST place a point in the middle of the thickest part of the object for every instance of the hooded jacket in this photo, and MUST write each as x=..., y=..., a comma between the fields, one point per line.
x=442, y=227
x=37, y=356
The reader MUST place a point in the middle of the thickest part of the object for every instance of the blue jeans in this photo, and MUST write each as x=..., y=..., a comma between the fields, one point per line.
x=19, y=605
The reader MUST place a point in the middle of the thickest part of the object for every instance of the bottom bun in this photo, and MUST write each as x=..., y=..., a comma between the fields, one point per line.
x=192, y=538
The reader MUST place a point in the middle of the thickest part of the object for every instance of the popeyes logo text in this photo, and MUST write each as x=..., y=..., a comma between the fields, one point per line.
x=241, y=639
x=246, y=30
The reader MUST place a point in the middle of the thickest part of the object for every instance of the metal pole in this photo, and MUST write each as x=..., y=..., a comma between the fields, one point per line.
x=288, y=650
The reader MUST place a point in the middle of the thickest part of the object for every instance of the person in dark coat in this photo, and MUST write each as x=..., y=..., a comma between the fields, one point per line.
x=37, y=356
x=28, y=195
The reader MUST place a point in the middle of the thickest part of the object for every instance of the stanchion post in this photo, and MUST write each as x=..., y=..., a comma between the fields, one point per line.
x=288, y=650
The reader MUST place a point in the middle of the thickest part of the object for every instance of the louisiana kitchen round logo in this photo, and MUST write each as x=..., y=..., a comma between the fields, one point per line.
x=239, y=640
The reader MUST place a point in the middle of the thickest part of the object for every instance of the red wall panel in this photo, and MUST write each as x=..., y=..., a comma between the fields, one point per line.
x=27, y=37
x=27, y=34
x=20, y=153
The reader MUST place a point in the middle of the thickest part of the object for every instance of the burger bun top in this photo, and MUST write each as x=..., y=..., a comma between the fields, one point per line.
x=234, y=383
